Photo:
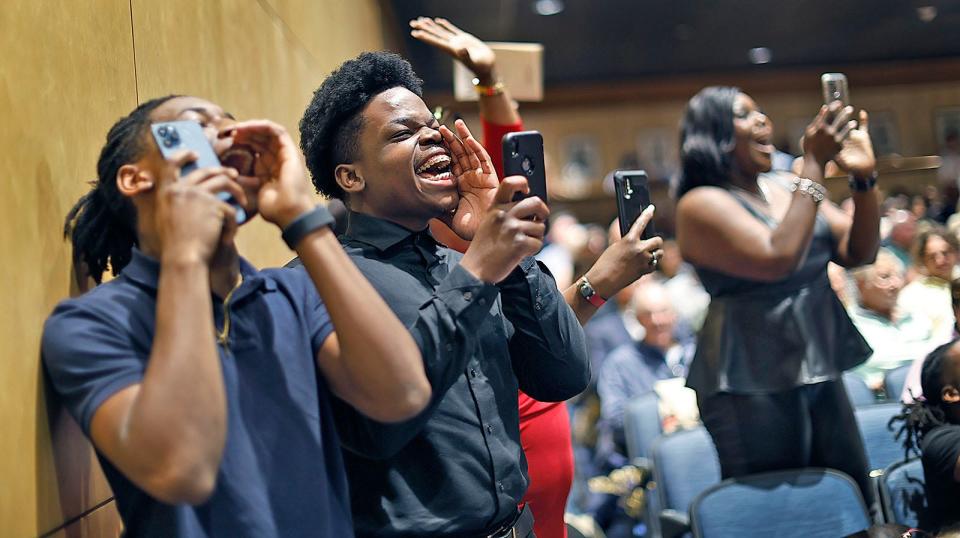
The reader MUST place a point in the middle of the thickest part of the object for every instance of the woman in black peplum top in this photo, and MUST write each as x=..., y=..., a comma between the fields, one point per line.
x=776, y=339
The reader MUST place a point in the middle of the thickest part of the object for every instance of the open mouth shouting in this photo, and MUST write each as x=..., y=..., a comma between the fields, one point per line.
x=239, y=157
x=761, y=143
x=435, y=167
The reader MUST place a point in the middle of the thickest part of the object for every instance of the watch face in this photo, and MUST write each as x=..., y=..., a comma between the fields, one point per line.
x=586, y=290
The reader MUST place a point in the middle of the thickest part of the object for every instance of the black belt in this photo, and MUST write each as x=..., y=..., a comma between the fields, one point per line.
x=519, y=526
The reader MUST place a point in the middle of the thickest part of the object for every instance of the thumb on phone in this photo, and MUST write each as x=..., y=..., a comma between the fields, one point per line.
x=641, y=223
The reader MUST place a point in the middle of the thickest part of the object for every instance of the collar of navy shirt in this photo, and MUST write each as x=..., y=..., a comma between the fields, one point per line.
x=145, y=272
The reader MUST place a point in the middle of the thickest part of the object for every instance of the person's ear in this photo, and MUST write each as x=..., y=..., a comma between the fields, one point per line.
x=950, y=394
x=133, y=180
x=349, y=178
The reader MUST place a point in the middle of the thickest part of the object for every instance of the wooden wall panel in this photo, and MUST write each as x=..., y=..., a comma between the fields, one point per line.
x=66, y=74
x=104, y=522
x=256, y=58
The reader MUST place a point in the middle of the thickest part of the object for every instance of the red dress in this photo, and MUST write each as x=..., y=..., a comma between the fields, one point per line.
x=544, y=426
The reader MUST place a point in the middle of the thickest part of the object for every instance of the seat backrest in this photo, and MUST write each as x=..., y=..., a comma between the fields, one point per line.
x=902, y=493
x=641, y=424
x=879, y=441
x=786, y=504
x=893, y=382
x=684, y=464
x=857, y=390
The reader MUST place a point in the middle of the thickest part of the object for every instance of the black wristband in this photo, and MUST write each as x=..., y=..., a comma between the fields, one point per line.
x=306, y=223
x=863, y=184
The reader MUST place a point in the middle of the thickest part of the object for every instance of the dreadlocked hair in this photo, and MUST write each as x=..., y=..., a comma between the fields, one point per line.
x=928, y=411
x=102, y=226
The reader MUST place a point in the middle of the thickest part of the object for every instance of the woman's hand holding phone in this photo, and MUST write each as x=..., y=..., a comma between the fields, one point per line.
x=626, y=259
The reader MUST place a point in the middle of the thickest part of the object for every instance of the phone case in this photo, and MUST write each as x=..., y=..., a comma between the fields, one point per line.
x=633, y=197
x=176, y=136
x=835, y=88
x=523, y=156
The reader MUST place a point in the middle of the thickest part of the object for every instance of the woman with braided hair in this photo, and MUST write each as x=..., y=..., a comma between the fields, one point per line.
x=931, y=425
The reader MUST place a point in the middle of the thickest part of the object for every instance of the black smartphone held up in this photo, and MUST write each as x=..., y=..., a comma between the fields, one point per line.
x=633, y=197
x=174, y=136
x=523, y=156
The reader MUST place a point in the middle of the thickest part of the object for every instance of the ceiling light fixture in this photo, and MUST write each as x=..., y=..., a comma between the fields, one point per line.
x=548, y=7
x=760, y=55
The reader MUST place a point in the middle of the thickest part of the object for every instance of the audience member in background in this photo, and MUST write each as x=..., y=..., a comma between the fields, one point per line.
x=488, y=322
x=842, y=284
x=928, y=296
x=565, y=237
x=903, y=233
x=614, y=323
x=544, y=426
x=633, y=369
x=205, y=384
x=912, y=389
x=897, y=338
x=775, y=340
x=949, y=171
x=932, y=427
x=683, y=285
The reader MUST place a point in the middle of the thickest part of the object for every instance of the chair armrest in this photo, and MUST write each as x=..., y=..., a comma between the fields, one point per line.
x=673, y=523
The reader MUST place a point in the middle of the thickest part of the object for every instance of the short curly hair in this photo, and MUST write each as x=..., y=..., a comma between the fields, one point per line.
x=332, y=122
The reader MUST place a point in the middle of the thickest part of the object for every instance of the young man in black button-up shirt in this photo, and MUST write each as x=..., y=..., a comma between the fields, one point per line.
x=488, y=322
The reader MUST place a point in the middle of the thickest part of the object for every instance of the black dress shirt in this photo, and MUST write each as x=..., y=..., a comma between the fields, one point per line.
x=457, y=468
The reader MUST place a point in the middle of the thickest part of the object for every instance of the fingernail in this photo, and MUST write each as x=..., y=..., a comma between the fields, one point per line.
x=650, y=208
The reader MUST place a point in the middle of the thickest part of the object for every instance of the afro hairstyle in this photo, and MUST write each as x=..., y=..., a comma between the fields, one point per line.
x=332, y=122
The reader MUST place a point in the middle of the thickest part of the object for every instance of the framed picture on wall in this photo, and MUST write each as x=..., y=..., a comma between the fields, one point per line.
x=580, y=168
x=657, y=153
x=946, y=120
x=884, y=133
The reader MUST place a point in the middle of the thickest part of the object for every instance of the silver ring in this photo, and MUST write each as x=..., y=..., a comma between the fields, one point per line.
x=654, y=260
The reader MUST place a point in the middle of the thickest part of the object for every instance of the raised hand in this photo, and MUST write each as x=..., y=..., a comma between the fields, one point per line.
x=284, y=192
x=509, y=232
x=442, y=34
x=856, y=156
x=476, y=180
x=823, y=139
x=192, y=222
x=626, y=259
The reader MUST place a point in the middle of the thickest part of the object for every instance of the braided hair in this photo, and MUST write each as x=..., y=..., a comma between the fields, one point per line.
x=928, y=411
x=102, y=226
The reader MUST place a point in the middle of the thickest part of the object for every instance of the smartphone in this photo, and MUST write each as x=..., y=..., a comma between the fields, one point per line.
x=175, y=136
x=523, y=156
x=835, y=88
x=633, y=197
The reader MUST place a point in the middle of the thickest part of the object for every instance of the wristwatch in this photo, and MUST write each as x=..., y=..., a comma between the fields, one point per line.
x=588, y=293
x=863, y=184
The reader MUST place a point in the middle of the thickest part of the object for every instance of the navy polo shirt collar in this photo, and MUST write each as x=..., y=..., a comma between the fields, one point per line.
x=145, y=271
x=381, y=233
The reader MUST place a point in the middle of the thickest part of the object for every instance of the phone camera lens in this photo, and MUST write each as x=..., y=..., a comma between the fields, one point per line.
x=162, y=131
x=527, y=166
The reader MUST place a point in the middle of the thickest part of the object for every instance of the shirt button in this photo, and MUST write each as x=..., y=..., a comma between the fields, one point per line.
x=467, y=295
x=489, y=428
x=473, y=372
x=500, y=485
x=449, y=347
x=537, y=306
x=483, y=301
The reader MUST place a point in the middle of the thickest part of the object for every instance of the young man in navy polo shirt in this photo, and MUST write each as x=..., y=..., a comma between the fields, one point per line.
x=205, y=384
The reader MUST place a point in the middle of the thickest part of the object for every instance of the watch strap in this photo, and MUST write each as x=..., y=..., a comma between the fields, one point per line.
x=307, y=223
